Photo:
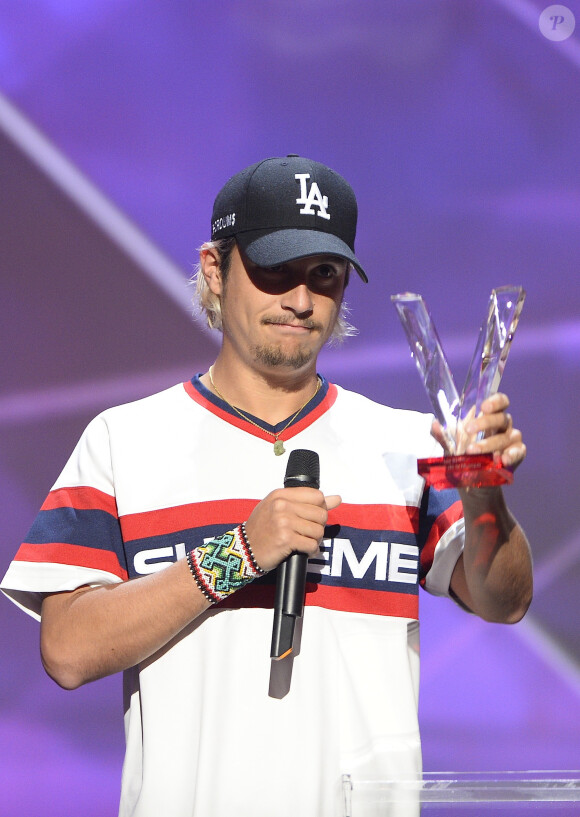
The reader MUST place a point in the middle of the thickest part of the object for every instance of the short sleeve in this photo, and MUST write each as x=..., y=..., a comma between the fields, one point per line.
x=442, y=535
x=76, y=538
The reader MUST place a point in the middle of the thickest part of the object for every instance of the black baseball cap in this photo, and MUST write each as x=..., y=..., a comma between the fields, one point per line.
x=286, y=208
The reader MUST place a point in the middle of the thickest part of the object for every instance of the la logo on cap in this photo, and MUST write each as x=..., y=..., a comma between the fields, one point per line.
x=312, y=198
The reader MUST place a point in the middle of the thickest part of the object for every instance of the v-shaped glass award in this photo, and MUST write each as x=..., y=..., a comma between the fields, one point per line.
x=453, y=411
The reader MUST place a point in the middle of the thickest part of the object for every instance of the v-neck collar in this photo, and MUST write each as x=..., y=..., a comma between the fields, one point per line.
x=319, y=404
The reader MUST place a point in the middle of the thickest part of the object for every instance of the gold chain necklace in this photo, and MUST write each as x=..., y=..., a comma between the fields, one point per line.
x=278, y=444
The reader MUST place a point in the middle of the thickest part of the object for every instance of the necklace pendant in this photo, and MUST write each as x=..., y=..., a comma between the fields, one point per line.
x=279, y=448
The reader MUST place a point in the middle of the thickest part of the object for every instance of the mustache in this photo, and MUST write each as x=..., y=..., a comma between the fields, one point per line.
x=282, y=320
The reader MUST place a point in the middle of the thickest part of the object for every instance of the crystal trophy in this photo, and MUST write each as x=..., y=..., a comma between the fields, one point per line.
x=454, y=411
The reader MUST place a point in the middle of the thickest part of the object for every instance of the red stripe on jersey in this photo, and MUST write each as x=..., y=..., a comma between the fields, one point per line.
x=376, y=517
x=244, y=425
x=184, y=517
x=232, y=419
x=82, y=498
x=74, y=555
x=345, y=599
x=230, y=511
x=353, y=600
x=440, y=526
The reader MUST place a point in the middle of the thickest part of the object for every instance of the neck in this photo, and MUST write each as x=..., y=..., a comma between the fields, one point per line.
x=270, y=396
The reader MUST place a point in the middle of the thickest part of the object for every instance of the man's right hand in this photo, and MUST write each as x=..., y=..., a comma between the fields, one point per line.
x=288, y=520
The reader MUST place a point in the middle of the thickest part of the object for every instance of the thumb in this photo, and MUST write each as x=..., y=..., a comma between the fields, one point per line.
x=332, y=501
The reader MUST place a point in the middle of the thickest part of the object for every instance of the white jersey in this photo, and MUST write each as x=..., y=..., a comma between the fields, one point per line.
x=214, y=728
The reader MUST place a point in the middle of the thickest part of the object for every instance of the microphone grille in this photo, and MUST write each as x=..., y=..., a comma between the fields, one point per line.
x=303, y=466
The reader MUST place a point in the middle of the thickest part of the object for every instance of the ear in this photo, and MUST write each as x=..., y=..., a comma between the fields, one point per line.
x=210, y=267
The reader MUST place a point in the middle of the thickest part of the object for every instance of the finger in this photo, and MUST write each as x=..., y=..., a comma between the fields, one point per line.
x=515, y=452
x=307, y=545
x=509, y=441
x=496, y=402
x=332, y=501
x=491, y=424
x=437, y=431
x=439, y=435
x=308, y=496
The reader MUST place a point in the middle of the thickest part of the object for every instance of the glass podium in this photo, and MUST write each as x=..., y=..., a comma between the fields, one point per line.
x=464, y=794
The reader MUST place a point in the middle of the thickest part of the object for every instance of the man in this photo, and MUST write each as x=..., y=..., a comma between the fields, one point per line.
x=121, y=562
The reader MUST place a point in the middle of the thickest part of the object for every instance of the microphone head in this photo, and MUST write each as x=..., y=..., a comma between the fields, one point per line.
x=303, y=469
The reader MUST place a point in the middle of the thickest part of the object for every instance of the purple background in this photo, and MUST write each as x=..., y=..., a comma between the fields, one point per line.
x=458, y=125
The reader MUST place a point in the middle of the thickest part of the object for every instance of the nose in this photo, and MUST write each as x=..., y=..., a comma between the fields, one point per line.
x=299, y=300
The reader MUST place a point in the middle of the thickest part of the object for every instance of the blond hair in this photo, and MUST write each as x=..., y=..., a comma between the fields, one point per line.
x=208, y=304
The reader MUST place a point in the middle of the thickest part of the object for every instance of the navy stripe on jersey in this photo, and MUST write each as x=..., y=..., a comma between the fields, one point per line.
x=350, y=557
x=93, y=530
x=433, y=504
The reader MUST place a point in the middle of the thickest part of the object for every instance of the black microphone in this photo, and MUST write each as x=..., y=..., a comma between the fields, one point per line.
x=303, y=469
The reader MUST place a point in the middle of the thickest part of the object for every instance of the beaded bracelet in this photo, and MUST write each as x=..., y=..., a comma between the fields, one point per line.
x=224, y=564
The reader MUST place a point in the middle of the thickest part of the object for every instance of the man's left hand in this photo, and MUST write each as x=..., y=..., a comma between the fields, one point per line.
x=500, y=436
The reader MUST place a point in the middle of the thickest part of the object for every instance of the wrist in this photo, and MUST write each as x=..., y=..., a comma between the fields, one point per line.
x=479, y=500
x=224, y=564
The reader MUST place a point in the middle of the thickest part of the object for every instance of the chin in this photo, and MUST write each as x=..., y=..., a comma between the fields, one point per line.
x=276, y=356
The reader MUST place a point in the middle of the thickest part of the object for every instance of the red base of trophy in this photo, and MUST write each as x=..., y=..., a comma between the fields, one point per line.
x=464, y=471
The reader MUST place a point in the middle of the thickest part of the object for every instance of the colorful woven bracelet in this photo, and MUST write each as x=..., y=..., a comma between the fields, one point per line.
x=224, y=564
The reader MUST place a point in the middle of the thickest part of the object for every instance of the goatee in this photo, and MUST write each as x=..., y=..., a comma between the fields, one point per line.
x=273, y=355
